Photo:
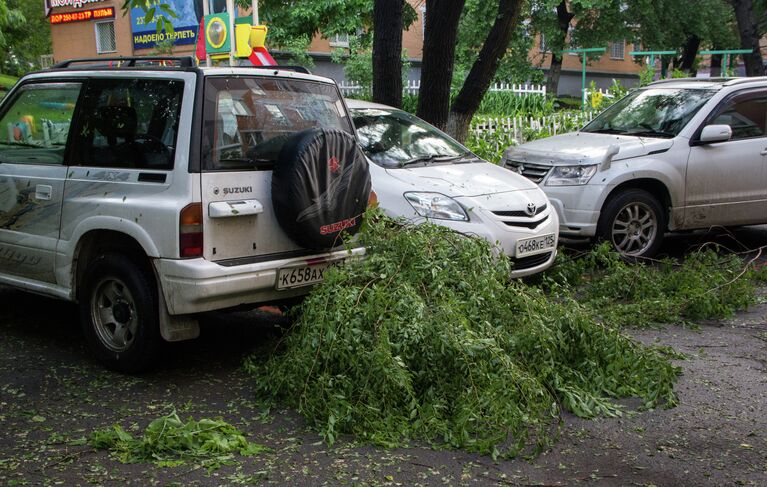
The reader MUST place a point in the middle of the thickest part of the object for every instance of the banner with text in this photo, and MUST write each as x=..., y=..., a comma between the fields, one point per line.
x=185, y=25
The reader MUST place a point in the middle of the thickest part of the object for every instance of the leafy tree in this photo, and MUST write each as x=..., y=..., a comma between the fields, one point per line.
x=26, y=38
x=8, y=17
x=476, y=20
x=156, y=11
x=706, y=23
x=586, y=23
x=484, y=68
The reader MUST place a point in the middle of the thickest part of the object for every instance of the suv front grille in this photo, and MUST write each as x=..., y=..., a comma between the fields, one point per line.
x=529, y=262
x=533, y=172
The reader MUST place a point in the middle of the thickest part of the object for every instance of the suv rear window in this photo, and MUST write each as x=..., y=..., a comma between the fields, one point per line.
x=249, y=119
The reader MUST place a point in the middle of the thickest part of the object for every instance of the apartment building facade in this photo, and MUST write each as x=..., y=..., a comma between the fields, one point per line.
x=94, y=28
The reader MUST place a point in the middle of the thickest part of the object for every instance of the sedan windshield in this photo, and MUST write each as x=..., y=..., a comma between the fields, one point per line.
x=655, y=112
x=393, y=138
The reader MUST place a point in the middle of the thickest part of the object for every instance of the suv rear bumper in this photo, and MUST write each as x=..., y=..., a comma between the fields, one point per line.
x=197, y=285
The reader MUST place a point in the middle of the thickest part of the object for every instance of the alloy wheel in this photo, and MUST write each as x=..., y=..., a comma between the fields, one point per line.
x=634, y=228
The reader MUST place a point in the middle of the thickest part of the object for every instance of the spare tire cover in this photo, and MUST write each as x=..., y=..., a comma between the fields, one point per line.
x=320, y=187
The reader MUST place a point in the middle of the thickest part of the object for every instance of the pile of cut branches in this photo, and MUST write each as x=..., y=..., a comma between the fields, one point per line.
x=706, y=284
x=427, y=339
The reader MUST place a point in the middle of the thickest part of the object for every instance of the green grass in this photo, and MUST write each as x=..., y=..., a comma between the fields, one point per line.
x=7, y=81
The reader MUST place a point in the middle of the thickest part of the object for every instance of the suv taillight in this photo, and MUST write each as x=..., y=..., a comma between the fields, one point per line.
x=190, y=231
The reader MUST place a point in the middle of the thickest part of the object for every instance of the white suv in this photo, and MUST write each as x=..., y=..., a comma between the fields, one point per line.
x=150, y=190
x=676, y=155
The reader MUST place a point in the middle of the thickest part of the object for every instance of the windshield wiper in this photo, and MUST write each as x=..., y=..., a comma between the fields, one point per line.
x=652, y=133
x=605, y=131
x=431, y=158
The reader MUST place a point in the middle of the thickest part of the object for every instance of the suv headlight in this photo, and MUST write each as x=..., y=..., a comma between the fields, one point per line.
x=436, y=205
x=571, y=175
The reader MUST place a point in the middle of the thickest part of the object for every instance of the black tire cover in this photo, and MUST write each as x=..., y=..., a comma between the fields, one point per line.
x=320, y=187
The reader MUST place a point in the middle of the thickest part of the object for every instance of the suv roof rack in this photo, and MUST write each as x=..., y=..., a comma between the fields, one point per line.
x=690, y=80
x=130, y=61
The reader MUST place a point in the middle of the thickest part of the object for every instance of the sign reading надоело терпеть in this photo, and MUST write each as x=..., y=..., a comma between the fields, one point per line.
x=185, y=25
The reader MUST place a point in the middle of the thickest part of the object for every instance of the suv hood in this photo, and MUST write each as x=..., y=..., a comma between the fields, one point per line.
x=576, y=148
x=466, y=179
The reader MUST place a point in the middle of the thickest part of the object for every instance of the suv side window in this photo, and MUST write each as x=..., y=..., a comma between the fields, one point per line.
x=129, y=123
x=746, y=115
x=34, y=129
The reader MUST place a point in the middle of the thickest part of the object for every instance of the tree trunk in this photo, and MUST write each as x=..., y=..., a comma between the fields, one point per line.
x=484, y=68
x=555, y=70
x=689, y=53
x=716, y=65
x=664, y=65
x=387, y=52
x=438, y=60
x=748, y=30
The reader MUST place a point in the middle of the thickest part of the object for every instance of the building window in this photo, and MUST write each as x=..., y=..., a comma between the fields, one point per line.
x=543, y=46
x=105, y=37
x=423, y=22
x=339, y=40
x=617, y=50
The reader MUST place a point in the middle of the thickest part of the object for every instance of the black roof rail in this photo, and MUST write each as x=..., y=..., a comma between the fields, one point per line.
x=130, y=61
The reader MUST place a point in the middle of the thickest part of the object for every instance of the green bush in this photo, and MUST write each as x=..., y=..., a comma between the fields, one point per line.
x=509, y=104
x=426, y=338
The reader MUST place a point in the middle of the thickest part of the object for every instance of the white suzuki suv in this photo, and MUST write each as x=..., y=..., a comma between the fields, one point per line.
x=675, y=155
x=150, y=190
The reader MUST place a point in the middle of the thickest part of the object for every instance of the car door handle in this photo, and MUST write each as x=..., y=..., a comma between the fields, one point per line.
x=226, y=209
x=43, y=192
x=763, y=153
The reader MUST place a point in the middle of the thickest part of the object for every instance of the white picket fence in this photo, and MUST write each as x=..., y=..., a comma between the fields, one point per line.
x=412, y=87
x=501, y=132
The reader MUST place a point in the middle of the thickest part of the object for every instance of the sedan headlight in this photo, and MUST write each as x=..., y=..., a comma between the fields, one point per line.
x=436, y=205
x=571, y=175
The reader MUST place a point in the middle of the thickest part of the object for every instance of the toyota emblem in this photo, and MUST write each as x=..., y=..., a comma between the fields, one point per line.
x=530, y=210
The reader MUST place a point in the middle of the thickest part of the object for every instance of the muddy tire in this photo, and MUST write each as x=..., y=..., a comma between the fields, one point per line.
x=633, y=222
x=118, y=313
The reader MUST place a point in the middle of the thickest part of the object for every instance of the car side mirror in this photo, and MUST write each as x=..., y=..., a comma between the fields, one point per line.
x=715, y=133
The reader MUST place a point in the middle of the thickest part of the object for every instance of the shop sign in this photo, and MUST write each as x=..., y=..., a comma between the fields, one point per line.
x=69, y=3
x=185, y=25
x=83, y=15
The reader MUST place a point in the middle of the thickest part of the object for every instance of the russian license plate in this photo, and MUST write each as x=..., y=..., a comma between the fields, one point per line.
x=535, y=245
x=303, y=276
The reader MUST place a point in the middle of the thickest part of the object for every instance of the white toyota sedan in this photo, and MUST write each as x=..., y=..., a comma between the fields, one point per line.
x=420, y=173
